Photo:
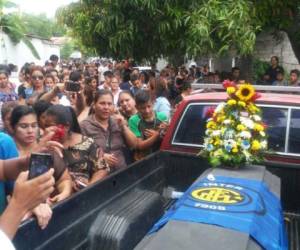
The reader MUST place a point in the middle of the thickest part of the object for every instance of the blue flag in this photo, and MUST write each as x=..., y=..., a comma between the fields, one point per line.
x=239, y=204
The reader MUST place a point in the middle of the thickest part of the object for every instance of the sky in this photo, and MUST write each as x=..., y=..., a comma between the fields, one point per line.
x=41, y=6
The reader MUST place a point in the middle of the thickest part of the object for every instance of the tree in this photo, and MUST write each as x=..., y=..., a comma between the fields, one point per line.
x=42, y=26
x=149, y=29
x=12, y=25
x=282, y=16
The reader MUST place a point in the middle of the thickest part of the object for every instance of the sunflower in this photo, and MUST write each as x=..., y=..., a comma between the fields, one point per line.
x=245, y=92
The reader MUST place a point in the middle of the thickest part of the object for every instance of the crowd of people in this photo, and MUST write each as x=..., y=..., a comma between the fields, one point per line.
x=274, y=75
x=94, y=118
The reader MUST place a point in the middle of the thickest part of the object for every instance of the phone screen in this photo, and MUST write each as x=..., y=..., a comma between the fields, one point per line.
x=39, y=164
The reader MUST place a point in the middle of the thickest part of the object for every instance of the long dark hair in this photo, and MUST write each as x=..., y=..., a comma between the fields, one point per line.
x=160, y=89
x=18, y=112
x=101, y=93
x=65, y=116
x=128, y=92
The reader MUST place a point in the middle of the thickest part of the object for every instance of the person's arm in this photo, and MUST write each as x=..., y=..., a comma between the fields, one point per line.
x=46, y=144
x=10, y=169
x=43, y=214
x=27, y=195
x=135, y=142
x=99, y=175
x=51, y=94
x=80, y=103
x=63, y=186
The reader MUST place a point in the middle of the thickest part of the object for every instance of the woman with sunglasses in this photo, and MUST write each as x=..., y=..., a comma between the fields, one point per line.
x=37, y=84
x=24, y=124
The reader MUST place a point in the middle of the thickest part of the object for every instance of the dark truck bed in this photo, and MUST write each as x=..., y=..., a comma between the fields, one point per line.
x=72, y=219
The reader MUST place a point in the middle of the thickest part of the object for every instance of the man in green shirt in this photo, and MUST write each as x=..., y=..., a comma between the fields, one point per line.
x=147, y=123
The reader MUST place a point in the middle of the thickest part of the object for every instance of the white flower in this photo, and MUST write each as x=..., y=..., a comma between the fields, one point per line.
x=235, y=114
x=227, y=122
x=208, y=132
x=256, y=118
x=206, y=141
x=262, y=133
x=247, y=122
x=245, y=135
x=229, y=134
x=244, y=114
x=216, y=133
x=220, y=107
x=264, y=144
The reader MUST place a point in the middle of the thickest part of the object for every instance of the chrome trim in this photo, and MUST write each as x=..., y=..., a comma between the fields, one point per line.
x=287, y=132
x=291, y=89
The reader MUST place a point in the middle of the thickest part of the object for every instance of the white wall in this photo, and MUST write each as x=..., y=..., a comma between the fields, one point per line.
x=19, y=54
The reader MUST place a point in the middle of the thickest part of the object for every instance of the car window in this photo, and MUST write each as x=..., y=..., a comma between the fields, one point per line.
x=294, y=135
x=276, y=120
x=193, y=125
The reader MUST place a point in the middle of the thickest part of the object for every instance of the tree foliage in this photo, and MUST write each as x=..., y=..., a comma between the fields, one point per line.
x=42, y=26
x=148, y=29
x=12, y=25
x=74, y=45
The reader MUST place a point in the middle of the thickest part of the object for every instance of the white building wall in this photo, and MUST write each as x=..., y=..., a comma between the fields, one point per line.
x=19, y=54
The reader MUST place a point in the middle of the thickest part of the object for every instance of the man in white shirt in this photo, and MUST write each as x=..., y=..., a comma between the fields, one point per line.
x=108, y=75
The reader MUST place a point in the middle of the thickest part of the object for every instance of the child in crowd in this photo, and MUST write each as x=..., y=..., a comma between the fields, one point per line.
x=280, y=81
x=147, y=123
x=294, y=78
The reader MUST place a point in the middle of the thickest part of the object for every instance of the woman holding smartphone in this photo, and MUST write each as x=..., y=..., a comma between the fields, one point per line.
x=24, y=125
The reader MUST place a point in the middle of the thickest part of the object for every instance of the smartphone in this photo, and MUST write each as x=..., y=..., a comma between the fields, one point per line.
x=72, y=86
x=39, y=164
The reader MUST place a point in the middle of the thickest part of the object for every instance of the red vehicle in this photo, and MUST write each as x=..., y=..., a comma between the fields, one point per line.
x=281, y=113
x=118, y=212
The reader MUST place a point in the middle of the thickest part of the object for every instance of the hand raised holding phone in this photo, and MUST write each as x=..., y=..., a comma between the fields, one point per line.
x=72, y=86
x=39, y=164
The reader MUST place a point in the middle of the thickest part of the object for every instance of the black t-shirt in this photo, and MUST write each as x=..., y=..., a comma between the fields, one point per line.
x=21, y=91
x=125, y=86
x=272, y=72
x=178, y=99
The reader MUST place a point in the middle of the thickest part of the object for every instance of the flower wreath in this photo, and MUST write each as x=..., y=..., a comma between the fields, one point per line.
x=235, y=134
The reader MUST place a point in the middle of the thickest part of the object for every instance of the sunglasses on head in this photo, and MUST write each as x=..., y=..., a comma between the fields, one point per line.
x=37, y=77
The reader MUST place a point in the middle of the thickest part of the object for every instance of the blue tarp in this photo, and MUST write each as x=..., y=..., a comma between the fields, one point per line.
x=239, y=204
